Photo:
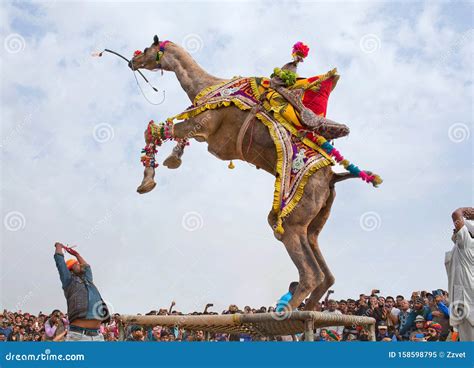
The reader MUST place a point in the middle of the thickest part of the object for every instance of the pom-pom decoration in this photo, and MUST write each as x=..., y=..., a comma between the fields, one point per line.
x=374, y=179
x=300, y=51
x=137, y=52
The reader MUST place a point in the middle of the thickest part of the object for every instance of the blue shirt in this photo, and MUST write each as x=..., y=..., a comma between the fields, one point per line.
x=444, y=309
x=94, y=300
x=6, y=331
x=425, y=312
x=284, y=301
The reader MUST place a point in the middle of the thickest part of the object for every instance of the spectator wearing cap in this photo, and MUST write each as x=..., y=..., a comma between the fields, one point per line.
x=459, y=267
x=419, y=309
x=86, y=309
x=383, y=334
x=433, y=331
x=418, y=334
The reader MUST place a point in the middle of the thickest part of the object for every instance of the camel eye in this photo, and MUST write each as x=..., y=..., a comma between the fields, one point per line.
x=146, y=49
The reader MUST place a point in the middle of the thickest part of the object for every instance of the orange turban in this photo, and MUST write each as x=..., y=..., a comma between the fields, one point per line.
x=71, y=262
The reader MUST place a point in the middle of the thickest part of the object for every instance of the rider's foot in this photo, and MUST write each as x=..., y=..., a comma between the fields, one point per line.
x=148, y=182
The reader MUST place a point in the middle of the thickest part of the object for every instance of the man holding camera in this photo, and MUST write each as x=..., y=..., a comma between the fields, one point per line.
x=85, y=308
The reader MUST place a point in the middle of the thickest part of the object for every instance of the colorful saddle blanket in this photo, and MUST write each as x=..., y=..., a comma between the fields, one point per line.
x=297, y=156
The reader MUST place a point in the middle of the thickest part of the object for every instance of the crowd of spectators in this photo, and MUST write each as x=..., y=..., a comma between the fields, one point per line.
x=422, y=317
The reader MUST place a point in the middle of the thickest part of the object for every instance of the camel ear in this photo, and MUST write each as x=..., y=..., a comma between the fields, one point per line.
x=156, y=41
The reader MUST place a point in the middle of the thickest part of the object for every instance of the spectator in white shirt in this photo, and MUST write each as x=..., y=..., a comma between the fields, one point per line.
x=459, y=264
x=332, y=308
x=392, y=318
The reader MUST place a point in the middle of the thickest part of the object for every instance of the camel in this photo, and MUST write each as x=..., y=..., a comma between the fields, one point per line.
x=220, y=129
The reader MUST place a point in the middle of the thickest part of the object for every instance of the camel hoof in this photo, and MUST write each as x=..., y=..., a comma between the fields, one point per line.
x=146, y=187
x=172, y=162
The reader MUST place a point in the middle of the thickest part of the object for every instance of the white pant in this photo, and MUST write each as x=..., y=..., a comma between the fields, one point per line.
x=465, y=331
x=77, y=336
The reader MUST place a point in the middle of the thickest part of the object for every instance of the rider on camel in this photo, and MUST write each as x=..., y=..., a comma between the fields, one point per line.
x=308, y=97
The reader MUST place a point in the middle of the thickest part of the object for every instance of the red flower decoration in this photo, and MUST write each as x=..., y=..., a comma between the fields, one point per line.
x=300, y=49
x=136, y=53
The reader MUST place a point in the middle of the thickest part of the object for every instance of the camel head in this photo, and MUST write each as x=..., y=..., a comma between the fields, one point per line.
x=151, y=57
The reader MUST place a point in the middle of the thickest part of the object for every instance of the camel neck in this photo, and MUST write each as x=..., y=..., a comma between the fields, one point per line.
x=190, y=75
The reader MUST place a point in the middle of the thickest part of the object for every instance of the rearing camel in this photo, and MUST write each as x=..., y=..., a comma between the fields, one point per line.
x=220, y=129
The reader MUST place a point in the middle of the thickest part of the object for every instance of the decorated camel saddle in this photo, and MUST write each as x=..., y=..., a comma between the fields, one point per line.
x=292, y=100
x=294, y=111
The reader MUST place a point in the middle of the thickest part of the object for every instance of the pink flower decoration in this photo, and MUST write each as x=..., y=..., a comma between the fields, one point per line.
x=300, y=49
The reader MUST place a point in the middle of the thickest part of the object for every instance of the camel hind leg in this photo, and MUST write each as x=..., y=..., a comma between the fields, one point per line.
x=314, y=230
x=295, y=237
x=299, y=250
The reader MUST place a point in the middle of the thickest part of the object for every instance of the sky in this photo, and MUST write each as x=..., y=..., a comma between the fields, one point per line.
x=72, y=130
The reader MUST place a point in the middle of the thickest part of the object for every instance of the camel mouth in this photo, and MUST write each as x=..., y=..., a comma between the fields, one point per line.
x=131, y=65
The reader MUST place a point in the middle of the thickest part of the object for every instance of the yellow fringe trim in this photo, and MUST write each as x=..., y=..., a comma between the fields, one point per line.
x=210, y=106
x=279, y=163
x=300, y=190
x=209, y=89
x=257, y=90
x=279, y=169
x=279, y=226
x=306, y=141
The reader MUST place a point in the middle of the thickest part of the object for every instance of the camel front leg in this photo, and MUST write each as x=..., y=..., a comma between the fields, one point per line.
x=192, y=128
x=173, y=161
x=156, y=134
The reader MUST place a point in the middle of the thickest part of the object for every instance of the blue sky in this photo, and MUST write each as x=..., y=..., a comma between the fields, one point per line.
x=72, y=129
